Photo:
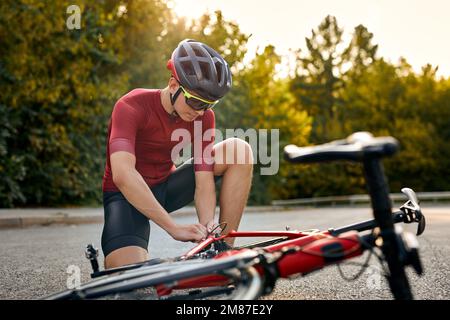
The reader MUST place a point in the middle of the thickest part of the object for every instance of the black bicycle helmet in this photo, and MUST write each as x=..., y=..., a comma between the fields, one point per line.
x=201, y=69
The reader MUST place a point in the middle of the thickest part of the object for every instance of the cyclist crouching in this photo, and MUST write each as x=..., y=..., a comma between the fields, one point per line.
x=141, y=182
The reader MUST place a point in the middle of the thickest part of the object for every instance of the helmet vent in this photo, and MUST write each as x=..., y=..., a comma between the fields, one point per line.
x=187, y=67
x=198, y=52
x=218, y=66
x=204, y=66
x=182, y=52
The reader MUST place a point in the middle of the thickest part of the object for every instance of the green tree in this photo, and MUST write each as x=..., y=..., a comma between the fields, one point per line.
x=272, y=106
x=144, y=26
x=321, y=77
x=317, y=81
x=56, y=85
x=321, y=71
x=393, y=100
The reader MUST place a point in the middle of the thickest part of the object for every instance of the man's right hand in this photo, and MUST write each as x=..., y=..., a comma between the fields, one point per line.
x=190, y=232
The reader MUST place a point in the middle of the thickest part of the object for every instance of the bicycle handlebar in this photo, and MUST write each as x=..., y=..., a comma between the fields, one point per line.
x=357, y=147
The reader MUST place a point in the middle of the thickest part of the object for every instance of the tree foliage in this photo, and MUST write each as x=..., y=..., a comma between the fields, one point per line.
x=58, y=87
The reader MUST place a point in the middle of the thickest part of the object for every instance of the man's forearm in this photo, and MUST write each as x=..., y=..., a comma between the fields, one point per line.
x=137, y=192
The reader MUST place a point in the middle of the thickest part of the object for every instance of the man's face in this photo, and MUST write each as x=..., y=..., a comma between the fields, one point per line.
x=186, y=112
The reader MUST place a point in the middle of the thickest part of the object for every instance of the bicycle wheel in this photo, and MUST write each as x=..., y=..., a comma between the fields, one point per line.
x=227, y=278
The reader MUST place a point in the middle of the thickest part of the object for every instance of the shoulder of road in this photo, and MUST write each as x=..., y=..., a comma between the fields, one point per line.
x=28, y=217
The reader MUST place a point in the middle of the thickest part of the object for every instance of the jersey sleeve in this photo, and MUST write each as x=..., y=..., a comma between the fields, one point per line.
x=126, y=120
x=204, y=161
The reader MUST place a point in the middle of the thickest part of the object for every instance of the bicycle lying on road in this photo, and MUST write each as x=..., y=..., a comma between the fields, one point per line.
x=211, y=270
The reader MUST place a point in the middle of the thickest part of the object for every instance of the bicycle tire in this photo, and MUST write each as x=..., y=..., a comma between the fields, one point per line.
x=397, y=279
x=140, y=283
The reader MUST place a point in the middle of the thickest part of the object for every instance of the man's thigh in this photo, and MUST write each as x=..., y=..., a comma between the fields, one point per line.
x=181, y=186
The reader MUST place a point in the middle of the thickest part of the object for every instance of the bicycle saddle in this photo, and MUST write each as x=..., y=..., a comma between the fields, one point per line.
x=357, y=147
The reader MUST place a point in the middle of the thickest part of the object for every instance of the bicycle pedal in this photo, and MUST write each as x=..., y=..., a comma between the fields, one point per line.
x=91, y=254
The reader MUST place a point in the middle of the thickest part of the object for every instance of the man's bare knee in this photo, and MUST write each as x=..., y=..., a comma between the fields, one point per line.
x=237, y=151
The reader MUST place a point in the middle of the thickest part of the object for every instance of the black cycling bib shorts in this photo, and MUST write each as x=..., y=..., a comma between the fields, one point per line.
x=125, y=226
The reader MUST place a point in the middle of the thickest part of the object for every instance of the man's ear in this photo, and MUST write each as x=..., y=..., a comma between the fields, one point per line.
x=173, y=85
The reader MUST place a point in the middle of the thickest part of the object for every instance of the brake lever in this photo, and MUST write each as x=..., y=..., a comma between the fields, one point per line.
x=412, y=210
x=218, y=226
x=411, y=196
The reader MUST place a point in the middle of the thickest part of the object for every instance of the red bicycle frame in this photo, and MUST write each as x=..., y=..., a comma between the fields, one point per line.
x=318, y=249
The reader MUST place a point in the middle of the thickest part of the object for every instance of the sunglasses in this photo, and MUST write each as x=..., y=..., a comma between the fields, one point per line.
x=197, y=103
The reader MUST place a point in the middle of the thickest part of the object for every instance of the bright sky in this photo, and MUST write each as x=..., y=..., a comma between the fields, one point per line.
x=415, y=29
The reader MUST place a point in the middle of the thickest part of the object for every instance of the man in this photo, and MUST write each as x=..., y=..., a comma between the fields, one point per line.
x=140, y=180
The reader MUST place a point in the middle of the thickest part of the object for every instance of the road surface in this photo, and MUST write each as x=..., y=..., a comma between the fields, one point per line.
x=35, y=260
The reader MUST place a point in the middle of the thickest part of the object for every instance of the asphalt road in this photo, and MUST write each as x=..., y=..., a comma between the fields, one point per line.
x=35, y=260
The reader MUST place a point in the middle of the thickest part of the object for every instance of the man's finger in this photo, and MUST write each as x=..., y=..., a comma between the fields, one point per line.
x=202, y=233
x=204, y=230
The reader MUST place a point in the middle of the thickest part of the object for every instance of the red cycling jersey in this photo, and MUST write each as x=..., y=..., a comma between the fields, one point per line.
x=141, y=126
